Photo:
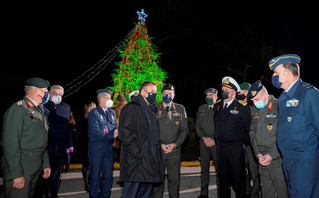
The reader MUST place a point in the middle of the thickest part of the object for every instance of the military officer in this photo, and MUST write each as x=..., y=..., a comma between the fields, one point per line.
x=252, y=175
x=263, y=130
x=173, y=127
x=242, y=94
x=205, y=131
x=298, y=127
x=24, y=141
x=232, y=122
x=102, y=129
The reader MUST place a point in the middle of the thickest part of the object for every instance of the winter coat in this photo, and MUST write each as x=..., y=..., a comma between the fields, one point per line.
x=141, y=159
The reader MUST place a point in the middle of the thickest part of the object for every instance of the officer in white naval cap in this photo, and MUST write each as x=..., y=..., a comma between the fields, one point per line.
x=232, y=123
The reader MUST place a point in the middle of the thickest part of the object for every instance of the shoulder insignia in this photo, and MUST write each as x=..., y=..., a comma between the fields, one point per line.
x=19, y=102
x=242, y=102
x=307, y=85
x=269, y=106
x=30, y=104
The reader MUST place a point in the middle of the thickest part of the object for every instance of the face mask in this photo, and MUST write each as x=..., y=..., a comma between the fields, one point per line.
x=109, y=104
x=209, y=101
x=260, y=104
x=224, y=95
x=151, y=98
x=167, y=98
x=56, y=99
x=241, y=96
x=46, y=97
x=275, y=81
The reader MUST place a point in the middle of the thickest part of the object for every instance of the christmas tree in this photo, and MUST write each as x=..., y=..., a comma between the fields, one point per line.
x=139, y=63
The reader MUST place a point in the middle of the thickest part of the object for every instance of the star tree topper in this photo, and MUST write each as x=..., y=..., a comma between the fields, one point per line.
x=141, y=15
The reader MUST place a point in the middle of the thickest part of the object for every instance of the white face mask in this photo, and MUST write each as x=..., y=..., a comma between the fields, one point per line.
x=56, y=99
x=109, y=104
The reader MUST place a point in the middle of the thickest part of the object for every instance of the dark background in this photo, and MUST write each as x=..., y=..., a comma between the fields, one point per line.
x=200, y=43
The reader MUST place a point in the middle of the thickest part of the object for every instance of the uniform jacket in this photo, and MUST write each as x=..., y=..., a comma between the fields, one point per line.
x=172, y=124
x=263, y=129
x=59, y=131
x=25, y=130
x=141, y=159
x=298, y=124
x=232, y=125
x=205, y=122
x=101, y=125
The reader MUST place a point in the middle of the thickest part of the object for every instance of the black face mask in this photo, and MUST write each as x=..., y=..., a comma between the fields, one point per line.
x=224, y=95
x=241, y=96
x=151, y=97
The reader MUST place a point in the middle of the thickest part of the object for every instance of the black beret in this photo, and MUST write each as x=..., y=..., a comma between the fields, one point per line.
x=37, y=82
x=107, y=90
x=254, y=89
x=169, y=87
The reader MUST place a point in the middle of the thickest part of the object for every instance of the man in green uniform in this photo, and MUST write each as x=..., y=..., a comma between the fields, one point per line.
x=252, y=175
x=205, y=131
x=263, y=132
x=172, y=121
x=24, y=141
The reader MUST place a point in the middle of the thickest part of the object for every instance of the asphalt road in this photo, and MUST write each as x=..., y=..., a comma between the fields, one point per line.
x=72, y=184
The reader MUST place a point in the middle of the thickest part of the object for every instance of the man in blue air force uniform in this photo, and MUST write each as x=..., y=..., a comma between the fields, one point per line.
x=102, y=128
x=298, y=127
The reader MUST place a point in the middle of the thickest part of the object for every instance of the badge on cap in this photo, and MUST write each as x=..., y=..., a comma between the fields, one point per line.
x=253, y=93
x=292, y=103
x=289, y=119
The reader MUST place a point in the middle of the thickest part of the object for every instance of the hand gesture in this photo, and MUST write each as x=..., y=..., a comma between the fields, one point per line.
x=18, y=183
x=46, y=173
x=209, y=142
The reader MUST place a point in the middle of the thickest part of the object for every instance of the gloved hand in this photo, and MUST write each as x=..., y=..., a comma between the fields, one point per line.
x=70, y=149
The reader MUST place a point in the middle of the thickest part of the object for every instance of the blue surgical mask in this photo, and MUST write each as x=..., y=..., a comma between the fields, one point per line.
x=275, y=81
x=167, y=98
x=46, y=97
x=260, y=104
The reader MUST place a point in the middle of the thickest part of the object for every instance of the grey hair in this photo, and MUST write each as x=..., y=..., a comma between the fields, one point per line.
x=28, y=89
x=293, y=68
x=57, y=87
x=101, y=95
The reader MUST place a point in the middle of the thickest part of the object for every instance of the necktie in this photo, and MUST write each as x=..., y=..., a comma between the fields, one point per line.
x=167, y=108
x=225, y=107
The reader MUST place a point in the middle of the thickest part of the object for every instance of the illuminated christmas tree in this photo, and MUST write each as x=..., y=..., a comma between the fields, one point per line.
x=139, y=63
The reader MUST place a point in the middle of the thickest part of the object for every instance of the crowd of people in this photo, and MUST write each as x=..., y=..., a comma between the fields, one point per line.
x=261, y=146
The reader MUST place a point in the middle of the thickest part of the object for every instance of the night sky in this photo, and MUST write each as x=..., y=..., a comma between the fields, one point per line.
x=199, y=43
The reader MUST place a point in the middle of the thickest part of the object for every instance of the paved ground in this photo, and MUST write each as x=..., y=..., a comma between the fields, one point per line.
x=72, y=185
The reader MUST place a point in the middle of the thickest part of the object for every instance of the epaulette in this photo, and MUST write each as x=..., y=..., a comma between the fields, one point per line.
x=307, y=85
x=242, y=102
x=218, y=101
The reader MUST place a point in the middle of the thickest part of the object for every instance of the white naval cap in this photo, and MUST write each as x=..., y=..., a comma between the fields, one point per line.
x=229, y=82
x=133, y=93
